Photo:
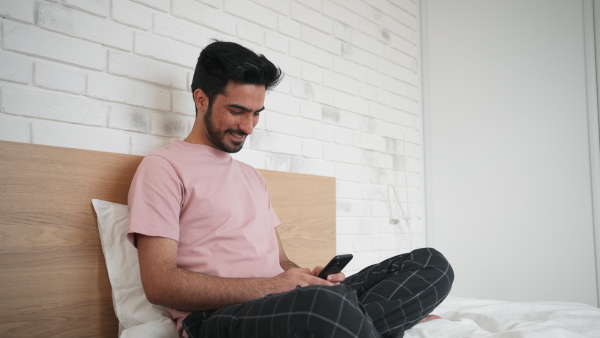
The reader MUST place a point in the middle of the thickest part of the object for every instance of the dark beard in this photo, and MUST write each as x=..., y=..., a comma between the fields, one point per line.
x=217, y=136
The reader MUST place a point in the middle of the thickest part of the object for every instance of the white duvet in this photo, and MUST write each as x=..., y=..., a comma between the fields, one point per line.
x=464, y=317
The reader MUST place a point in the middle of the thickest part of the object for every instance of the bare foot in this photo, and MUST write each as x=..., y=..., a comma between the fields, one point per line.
x=430, y=317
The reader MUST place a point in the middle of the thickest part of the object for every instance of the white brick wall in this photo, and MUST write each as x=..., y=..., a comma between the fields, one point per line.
x=114, y=75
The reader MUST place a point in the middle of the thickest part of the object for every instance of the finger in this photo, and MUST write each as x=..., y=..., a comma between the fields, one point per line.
x=317, y=270
x=336, y=277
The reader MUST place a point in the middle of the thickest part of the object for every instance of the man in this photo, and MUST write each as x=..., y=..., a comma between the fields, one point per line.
x=207, y=240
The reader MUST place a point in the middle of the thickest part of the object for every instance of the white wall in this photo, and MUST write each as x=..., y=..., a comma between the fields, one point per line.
x=510, y=183
x=113, y=75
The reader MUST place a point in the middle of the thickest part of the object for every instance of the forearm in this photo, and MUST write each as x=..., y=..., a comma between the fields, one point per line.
x=189, y=291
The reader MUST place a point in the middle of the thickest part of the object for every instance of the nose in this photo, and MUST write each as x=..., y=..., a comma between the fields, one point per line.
x=248, y=123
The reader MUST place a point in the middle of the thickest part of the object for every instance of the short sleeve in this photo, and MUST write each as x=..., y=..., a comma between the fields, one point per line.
x=155, y=200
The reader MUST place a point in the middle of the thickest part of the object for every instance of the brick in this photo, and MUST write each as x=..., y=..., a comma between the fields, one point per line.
x=321, y=40
x=161, y=5
x=145, y=69
x=344, y=245
x=351, y=208
x=400, y=87
x=252, y=12
x=15, y=68
x=166, y=50
x=204, y=15
x=324, y=133
x=256, y=159
x=282, y=103
x=341, y=83
x=342, y=31
x=212, y=3
x=404, y=104
x=170, y=125
x=342, y=136
x=368, y=141
x=341, y=14
x=401, y=59
x=128, y=118
x=14, y=128
x=53, y=106
x=373, y=30
x=368, y=43
x=358, y=55
x=408, y=5
x=374, y=192
x=55, y=77
x=301, y=89
x=377, y=159
x=400, y=14
x=32, y=40
x=251, y=32
x=311, y=54
x=72, y=22
x=348, y=190
x=312, y=149
x=349, y=226
x=275, y=143
x=350, y=103
x=359, y=7
x=98, y=7
x=312, y=73
x=323, y=95
x=312, y=18
x=78, y=136
x=132, y=14
x=184, y=31
x=112, y=88
x=314, y=4
x=289, y=27
x=282, y=6
x=312, y=166
x=406, y=75
x=290, y=65
x=341, y=153
x=144, y=144
x=289, y=125
x=277, y=42
x=183, y=103
x=351, y=69
x=20, y=10
x=278, y=162
x=311, y=110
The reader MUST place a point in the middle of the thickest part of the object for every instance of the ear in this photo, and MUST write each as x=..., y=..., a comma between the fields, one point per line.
x=201, y=101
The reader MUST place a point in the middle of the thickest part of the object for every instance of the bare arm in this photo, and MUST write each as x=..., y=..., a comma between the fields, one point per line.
x=284, y=261
x=166, y=284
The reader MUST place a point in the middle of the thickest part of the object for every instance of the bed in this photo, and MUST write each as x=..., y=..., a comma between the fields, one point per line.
x=57, y=277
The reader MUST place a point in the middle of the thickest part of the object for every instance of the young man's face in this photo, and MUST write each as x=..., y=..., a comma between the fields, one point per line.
x=233, y=116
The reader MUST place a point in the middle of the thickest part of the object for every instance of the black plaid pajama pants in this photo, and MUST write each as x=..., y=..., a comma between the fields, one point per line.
x=382, y=300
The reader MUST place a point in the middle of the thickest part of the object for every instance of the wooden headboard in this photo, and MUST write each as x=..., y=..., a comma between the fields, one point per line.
x=53, y=280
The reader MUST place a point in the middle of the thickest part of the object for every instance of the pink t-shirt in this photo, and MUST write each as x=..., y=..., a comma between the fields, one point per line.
x=217, y=209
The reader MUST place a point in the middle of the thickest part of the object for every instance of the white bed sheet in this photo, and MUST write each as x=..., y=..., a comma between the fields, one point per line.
x=466, y=317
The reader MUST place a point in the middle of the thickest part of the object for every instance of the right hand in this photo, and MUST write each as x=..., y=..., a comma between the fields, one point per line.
x=289, y=279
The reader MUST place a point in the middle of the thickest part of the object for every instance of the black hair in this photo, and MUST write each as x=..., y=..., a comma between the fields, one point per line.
x=221, y=62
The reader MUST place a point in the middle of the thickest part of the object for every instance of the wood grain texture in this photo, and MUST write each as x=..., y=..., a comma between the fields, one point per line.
x=52, y=273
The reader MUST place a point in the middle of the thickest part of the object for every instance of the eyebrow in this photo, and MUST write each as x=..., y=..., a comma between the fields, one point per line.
x=240, y=107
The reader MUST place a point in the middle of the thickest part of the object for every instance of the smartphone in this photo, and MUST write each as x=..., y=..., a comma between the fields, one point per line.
x=335, y=265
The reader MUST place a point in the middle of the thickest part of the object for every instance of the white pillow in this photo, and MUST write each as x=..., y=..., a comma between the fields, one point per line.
x=137, y=316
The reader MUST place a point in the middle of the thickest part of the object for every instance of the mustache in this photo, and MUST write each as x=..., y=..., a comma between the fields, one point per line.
x=236, y=131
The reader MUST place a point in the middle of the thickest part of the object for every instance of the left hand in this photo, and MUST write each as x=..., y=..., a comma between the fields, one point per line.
x=336, y=278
